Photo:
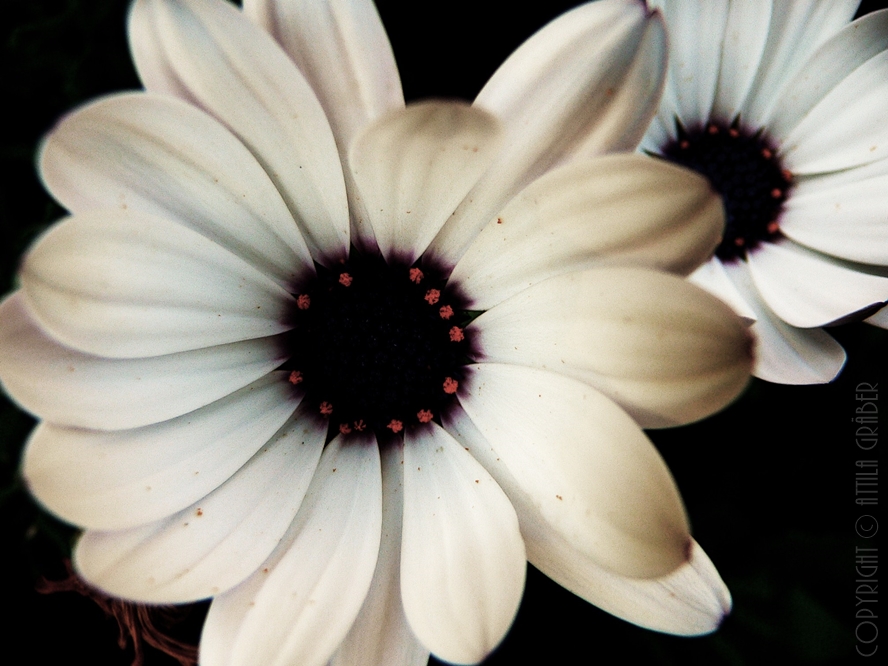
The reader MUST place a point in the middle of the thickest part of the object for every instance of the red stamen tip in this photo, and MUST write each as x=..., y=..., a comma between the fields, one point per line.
x=776, y=193
x=345, y=279
x=360, y=426
x=395, y=426
x=326, y=408
x=432, y=296
x=450, y=385
x=739, y=242
x=684, y=144
x=446, y=312
x=733, y=133
x=344, y=428
x=424, y=415
x=712, y=129
x=767, y=154
x=787, y=175
x=456, y=334
x=773, y=227
x=303, y=301
x=295, y=377
x=416, y=275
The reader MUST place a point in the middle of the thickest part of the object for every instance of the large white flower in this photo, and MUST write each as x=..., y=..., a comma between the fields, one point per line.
x=784, y=106
x=258, y=358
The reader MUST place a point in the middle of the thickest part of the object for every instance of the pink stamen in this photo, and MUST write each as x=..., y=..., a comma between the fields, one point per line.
x=344, y=428
x=450, y=385
x=360, y=426
x=456, y=334
x=773, y=227
x=395, y=426
x=424, y=415
x=446, y=312
x=326, y=408
x=295, y=377
x=416, y=275
x=303, y=301
x=776, y=193
x=767, y=154
x=712, y=129
x=432, y=296
x=345, y=279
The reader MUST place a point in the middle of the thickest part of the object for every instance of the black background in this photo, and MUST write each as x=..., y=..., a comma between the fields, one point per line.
x=768, y=483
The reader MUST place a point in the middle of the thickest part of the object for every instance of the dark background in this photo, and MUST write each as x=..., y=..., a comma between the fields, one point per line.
x=768, y=483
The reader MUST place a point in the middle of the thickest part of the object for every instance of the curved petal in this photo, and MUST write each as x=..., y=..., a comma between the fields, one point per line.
x=834, y=61
x=664, y=350
x=591, y=472
x=299, y=605
x=154, y=154
x=615, y=210
x=380, y=635
x=879, y=319
x=126, y=285
x=840, y=218
x=837, y=134
x=341, y=48
x=712, y=277
x=746, y=34
x=694, y=57
x=414, y=166
x=692, y=600
x=805, y=289
x=216, y=543
x=462, y=556
x=584, y=85
x=70, y=388
x=208, y=53
x=796, y=30
x=785, y=354
x=118, y=479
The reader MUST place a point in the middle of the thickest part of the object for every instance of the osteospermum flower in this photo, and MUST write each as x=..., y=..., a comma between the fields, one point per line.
x=345, y=371
x=782, y=105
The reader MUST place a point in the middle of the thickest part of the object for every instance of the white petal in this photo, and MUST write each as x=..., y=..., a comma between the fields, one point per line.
x=805, y=289
x=797, y=29
x=879, y=319
x=711, y=276
x=847, y=128
x=667, y=352
x=785, y=354
x=208, y=53
x=127, y=285
x=414, y=166
x=694, y=56
x=590, y=470
x=157, y=155
x=584, y=85
x=300, y=603
x=691, y=600
x=123, y=478
x=70, y=388
x=615, y=210
x=462, y=556
x=381, y=636
x=214, y=544
x=829, y=66
x=341, y=48
x=746, y=34
x=839, y=218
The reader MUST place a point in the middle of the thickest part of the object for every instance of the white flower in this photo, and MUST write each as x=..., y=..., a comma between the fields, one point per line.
x=241, y=400
x=785, y=106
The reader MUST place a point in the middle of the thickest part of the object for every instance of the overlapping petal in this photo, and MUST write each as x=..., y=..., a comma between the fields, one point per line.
x=588, y=467
x=584, y=85
x=85, y=391
x=127, y=285
x=666, y=351
x=299, y=605
x=217, y=542
x=123, y=478
x=615, y=210
x=206, y=52
x=154, y=154
x=413, y=167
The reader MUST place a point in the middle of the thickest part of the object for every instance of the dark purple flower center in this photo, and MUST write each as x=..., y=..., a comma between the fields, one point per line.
x=376, y=346
x=744, y=167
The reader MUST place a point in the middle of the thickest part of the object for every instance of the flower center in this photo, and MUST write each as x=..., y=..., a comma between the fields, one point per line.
x=745, y=169
x=378, y=346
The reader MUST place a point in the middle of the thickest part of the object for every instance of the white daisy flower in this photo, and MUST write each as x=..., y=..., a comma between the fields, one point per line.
x=343, y=365
x=783, y=106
